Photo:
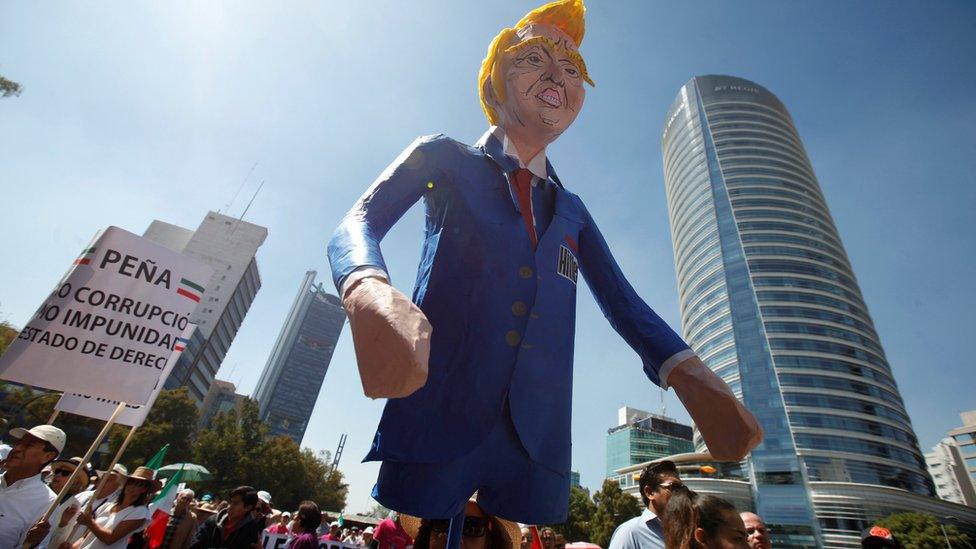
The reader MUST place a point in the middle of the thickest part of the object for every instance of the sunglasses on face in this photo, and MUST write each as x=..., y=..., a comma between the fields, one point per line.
x=474, y=527
x=671, y=486
x=62, y=472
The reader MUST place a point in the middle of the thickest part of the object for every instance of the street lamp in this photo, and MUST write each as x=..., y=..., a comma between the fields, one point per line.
x=944, y=534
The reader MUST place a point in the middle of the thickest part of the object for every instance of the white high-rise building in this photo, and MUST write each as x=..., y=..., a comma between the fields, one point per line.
x=229, y=246
x=948, y=470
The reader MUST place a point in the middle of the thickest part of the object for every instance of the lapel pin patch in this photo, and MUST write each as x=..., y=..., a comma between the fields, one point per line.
x=567, y=265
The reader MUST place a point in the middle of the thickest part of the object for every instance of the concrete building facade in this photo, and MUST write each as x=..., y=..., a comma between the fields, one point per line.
x=229, y=246
x=948, y=470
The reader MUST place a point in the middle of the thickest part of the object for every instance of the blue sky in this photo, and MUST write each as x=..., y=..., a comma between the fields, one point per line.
x=134, y=111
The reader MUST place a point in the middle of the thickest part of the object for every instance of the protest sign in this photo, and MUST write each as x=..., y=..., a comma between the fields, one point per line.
x=280, y=541
x=133, y=415
x=109, y=327
x=274, y=541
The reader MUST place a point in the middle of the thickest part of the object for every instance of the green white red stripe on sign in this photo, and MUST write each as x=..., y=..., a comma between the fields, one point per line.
x=190, y=290
x=86, y=256
x=181, y=343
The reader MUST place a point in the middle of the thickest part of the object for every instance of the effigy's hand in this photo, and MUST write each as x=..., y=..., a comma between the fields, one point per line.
x=729, y=429
x=391, y=336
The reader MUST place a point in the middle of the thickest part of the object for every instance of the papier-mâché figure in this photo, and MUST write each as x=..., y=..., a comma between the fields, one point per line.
x=478, y=364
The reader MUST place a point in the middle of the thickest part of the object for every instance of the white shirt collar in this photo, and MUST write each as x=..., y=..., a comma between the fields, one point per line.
x=22, y=482
x=538, y=163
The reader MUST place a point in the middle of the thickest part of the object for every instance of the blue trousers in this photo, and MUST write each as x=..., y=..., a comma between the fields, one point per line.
x=509, y=484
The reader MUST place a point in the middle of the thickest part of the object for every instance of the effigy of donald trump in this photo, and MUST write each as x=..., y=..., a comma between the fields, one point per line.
x=478, y=363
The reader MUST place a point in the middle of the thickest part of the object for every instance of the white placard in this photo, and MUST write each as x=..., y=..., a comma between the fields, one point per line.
x=280, y=541
x=110, y=325
x=133, y=415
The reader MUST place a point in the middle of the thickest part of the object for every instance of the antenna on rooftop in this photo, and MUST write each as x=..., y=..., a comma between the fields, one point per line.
x=338, y=453
x=241, y=218
x=239, y=189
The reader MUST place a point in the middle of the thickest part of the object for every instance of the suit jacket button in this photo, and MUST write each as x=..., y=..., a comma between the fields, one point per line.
x=519, y=308
x=512, y=338
x=525, y=272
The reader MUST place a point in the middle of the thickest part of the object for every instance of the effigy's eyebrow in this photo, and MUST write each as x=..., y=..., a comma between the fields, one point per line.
x=574, y=56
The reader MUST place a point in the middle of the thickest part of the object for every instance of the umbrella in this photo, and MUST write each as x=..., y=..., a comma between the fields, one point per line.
x=191, y=471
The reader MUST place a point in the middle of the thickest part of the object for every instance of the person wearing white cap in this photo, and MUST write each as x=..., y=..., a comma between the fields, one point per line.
x=23, y=495
x=263, y=509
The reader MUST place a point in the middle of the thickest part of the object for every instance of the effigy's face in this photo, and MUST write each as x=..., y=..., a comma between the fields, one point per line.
x=543, y=83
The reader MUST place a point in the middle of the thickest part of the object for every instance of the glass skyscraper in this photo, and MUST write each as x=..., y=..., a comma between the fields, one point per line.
x=770, y=302
x=289, y=385
x=641, y=436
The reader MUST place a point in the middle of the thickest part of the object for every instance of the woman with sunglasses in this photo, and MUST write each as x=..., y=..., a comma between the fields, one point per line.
x=113, y=524
x=480, y=531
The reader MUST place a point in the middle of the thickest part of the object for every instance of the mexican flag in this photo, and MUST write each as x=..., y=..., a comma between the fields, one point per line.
x=162, y=504
x=160, y=508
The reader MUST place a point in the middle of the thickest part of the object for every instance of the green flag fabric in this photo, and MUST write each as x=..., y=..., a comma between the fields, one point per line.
x=157, y=460
x=171, y=484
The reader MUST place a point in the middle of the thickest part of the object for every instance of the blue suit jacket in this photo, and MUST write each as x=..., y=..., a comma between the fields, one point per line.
x=503, y=314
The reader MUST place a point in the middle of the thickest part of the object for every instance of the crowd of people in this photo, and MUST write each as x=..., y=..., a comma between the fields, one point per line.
x=676, y=517
x=111, y=510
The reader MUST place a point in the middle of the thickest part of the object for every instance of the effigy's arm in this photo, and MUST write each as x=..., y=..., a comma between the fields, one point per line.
x=355, y=244
x=730, y=430
x=390, y=333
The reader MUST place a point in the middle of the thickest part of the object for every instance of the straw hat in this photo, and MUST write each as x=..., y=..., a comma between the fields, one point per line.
x=145, y=473
x=508, y=531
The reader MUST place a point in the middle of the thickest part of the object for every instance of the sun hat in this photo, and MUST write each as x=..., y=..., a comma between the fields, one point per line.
x=264, y=496
x=74, y=462
x=368, y=530
x=48, y=433
x=147, y=474
x=510, y=533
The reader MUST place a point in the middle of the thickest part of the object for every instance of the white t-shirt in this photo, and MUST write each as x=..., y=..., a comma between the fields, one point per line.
x=21, y=504
x=108, y=520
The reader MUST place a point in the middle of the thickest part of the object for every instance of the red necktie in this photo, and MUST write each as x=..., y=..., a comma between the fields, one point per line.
x=522, y=179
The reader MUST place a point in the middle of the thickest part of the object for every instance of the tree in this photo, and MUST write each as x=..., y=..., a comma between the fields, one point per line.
x=7, y=334
x=581, y=510
x=327, y=488
x=378, y=511
x=613, y=508
x=922, y=531
x=221, y=450
x=171, y=420
x=237, y=450
x=9, y=87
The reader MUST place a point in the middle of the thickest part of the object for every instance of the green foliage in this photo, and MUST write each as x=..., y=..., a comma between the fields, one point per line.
x=378, y=511
x=171, y=420
x=922, y=531
x=613, y=508
x=237, y=450
x=7, y=333
x=581, y=511
x=9, y=87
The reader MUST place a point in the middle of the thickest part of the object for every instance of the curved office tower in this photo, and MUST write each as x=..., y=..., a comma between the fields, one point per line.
x=770, y=302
